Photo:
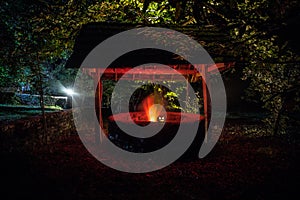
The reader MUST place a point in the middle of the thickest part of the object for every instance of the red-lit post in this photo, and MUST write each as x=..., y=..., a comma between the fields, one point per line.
x=98, y=104
x=205, y=97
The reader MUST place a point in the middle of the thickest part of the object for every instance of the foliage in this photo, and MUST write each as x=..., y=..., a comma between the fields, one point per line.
x=267, y=59
x=160, y=12
x=37, y=38
x=40, y=36
x=270, y=65
x=5, y=77
x=120, y=11
x=42, y=33
x=163, y=95
x=8, y=98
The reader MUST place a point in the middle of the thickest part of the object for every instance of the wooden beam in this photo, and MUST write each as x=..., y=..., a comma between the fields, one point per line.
x=153, y=72
x=205, y=99
x=100, y=94
x=98, y=104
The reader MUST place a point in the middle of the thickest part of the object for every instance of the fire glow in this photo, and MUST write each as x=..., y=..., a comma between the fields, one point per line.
x=152, y=109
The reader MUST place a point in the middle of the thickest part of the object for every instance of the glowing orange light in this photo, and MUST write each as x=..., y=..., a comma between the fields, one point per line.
x=151, y=109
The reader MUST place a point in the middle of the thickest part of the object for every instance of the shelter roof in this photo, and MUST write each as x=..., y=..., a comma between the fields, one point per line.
x=212, y=39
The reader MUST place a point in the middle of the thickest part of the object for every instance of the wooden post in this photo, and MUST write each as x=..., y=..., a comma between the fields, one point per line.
x=98, y=106
x=205, y=98
x=187, y=93
x=100, y=93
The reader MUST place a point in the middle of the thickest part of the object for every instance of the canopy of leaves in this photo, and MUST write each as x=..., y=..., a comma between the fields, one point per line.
x=38, y=36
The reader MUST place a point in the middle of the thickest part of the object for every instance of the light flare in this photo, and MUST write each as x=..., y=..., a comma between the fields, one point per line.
x=152, y=109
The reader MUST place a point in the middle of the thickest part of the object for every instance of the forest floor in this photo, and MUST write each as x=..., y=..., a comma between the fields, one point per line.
x=239, y=167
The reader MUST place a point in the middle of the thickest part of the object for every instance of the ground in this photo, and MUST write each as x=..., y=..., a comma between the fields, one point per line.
x=239, y=167
x=14, y=112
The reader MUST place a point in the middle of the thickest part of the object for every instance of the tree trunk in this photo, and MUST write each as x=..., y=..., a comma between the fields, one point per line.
x=41, y=92
x=42, y=105
x=278, y=118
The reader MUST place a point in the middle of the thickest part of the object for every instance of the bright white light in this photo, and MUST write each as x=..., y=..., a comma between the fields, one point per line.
x=69, y=91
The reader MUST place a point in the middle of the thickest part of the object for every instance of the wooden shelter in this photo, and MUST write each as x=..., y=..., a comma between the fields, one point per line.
x=212, y=39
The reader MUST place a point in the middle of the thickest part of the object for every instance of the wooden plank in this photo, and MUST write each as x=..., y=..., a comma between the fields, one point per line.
x=97, y=105
x=154, y=73
x=100, y=94
x=205, y=100
x=98, y=86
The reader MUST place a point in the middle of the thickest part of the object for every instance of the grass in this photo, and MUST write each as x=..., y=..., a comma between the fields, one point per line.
x=13, y=112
